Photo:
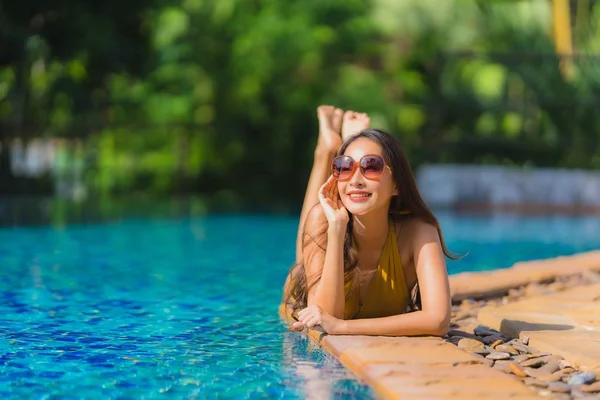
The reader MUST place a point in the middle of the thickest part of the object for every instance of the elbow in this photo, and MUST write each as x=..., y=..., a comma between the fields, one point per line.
x=440, y=324
x=339, y=314
x=336, y=312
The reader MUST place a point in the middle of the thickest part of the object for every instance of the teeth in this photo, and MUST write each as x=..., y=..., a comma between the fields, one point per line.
x=354, y=195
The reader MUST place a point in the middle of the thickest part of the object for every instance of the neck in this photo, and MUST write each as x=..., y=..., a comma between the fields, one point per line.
x=370, y=230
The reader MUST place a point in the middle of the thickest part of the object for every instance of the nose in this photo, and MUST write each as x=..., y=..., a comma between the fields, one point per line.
x=357, y=180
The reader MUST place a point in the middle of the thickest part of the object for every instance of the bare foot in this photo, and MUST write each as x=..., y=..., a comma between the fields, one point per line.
x=354, y=122
x=330, y=124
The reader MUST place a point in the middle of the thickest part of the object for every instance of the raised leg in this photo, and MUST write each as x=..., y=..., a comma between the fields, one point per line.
x=330, y=140
x=354, y=122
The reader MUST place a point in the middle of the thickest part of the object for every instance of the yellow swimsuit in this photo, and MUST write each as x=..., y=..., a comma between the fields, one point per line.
x=387, y=293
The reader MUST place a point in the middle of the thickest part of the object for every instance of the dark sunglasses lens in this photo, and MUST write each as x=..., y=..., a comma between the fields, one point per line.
x=342, y=167
x=371, y=166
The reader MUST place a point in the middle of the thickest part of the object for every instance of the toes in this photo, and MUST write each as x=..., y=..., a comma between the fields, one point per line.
x=366, y=120
x=349, y=115
x=338, y=115
x=324, y=109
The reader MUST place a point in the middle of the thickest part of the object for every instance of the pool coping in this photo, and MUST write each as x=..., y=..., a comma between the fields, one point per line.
x=431, y=367
x=482, y=284
x=425, y=367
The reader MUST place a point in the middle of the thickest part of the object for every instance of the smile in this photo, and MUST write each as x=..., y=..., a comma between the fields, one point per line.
x=359, y=197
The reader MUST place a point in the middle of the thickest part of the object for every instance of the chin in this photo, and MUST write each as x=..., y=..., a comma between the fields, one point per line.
x=358, y=208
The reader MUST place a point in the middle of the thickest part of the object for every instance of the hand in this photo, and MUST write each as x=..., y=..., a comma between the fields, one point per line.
x=329, y=197
x=313, y=317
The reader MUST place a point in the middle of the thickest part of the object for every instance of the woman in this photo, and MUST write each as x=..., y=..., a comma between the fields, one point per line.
x=367, y=240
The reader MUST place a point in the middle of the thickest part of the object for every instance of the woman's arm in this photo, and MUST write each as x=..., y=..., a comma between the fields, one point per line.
x=434, y=318
x=324, y=262
x=328, y=293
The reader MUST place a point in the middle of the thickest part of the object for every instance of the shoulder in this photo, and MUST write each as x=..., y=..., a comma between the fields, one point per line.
x=416, y=232
x=426, y=231
x=413, y=227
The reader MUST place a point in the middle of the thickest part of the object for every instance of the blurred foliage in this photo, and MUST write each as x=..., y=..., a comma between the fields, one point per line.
x=219, y=96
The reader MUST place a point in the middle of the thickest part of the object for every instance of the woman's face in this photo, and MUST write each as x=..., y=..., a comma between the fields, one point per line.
x=359, y=194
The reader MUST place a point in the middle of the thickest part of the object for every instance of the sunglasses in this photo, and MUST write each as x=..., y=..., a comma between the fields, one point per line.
x=371, y=167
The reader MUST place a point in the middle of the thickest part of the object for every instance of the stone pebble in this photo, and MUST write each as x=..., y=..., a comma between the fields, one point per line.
x=535, y=382
x=497, y=355
x=458, y=332
x=470, y=344
x=559, y=387
x=533, y=372
x=493, y=339
x=521, y=348
x=521, y=358
x=554, y=377
x=550, y=368
x=564, y=364
x=506, y=349
x=550, y=375
x=593, y=388
x=517, y=369
x=537, y=354
x=484, y=351
x=582, y=378
x=483, y=330
x=532, y=362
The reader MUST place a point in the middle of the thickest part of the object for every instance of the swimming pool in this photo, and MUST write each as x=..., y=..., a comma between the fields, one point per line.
x=188, y=306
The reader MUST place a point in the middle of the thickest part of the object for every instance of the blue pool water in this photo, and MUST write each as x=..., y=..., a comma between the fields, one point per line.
x=188, y=306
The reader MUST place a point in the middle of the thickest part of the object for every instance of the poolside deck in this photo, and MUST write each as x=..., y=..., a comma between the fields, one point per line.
x=565, y=323
x=546, y=316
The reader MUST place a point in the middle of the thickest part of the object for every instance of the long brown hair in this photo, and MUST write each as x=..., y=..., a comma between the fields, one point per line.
x=407, y=204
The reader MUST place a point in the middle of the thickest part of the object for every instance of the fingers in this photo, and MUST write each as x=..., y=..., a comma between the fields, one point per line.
x=334, y=196
x=332, y=188
x=331, y=182
x=313, y=321
x=337, y=200
x=296, y=326
x=327, y=188
x=302, y=312
x=310, y=316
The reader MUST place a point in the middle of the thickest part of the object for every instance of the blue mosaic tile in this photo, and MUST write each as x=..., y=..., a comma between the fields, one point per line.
x=100, y=358
x=65, y=338
x=51, y=374
x=91, y=340
x=75, y=355
x=16, y=375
